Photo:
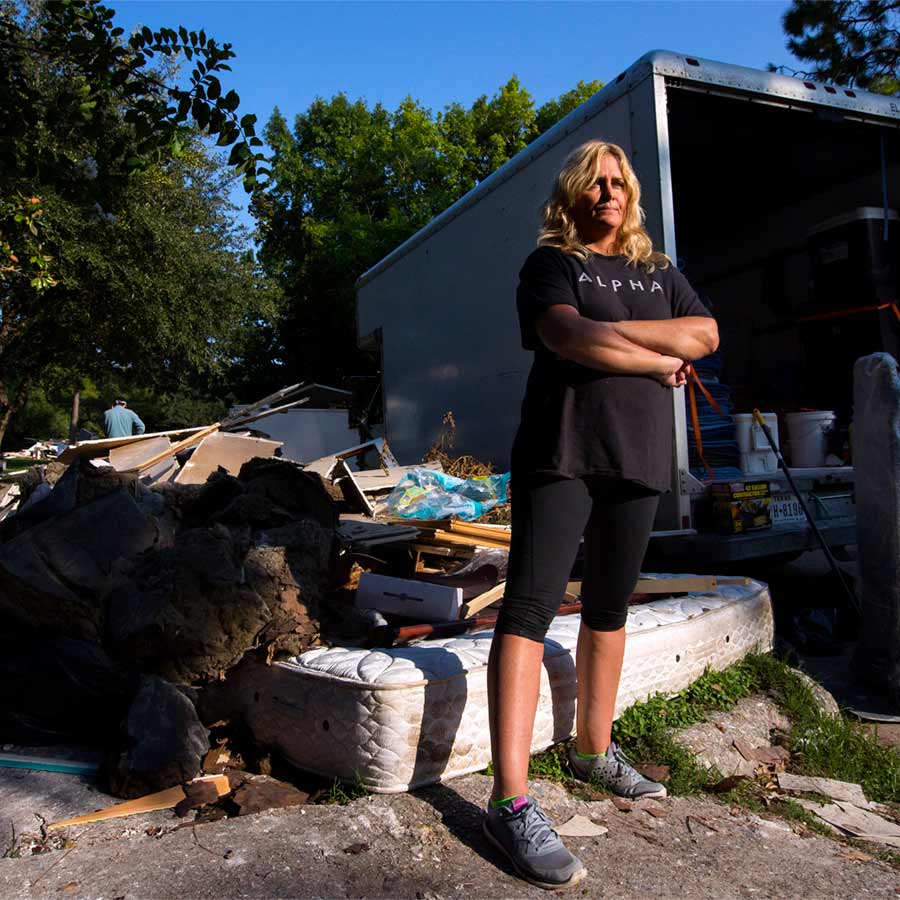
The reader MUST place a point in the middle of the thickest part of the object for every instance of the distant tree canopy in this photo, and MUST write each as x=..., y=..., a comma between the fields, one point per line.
x=350, y=183
x=119, y=257
x=850, y=42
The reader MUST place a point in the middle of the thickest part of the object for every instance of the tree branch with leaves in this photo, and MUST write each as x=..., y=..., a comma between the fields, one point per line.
x=854, y=43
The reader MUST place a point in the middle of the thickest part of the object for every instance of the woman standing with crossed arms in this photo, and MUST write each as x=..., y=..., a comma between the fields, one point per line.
x=613, y=326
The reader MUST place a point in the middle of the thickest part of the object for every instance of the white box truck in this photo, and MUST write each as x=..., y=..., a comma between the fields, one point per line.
x=739, y=170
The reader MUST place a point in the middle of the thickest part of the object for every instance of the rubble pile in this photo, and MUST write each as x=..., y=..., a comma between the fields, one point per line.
x=130, y=590
x=139, y=576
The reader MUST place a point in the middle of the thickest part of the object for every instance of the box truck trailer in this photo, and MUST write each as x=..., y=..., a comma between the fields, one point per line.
x=773, y=194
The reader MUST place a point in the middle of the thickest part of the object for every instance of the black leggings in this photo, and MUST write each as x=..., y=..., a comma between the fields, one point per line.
x=549, y=516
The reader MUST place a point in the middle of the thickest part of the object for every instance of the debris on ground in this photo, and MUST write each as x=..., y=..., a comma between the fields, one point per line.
x=143, y=576
x=581, y=826
x=828, y=787
x=852, y=821
x=167, y=799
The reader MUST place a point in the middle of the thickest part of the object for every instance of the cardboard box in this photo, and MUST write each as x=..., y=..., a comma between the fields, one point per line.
x=741, y=506
x=417, y=600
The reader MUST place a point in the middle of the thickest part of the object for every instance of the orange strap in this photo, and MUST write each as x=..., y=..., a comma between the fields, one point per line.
x=695, y=416
x=695, y=421
x=841, y=313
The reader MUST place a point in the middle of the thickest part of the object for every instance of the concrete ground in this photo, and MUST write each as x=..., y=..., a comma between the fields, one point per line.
x=429, y=845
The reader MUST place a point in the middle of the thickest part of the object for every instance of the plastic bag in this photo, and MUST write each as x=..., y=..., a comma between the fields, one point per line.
x=427, y=494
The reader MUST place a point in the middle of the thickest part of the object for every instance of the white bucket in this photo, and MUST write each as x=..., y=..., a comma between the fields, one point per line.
x=808, y=437
x=757, y=456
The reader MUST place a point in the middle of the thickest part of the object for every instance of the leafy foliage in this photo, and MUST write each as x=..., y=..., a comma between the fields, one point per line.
x=350, y=183
x=119, y=256
x=849, y=42
x=106, y=77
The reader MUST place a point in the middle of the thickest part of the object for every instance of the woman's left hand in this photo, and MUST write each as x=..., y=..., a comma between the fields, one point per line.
x=675, y=379
x=682, y=375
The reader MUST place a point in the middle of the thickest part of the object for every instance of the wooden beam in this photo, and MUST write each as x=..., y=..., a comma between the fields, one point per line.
x=477, y=604
x=167, y=799
x=470, y=540
x=176, y=448
x=684, y=584
x=499, y=535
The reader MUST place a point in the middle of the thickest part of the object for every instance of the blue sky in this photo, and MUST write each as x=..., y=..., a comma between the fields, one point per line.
x=288, y=53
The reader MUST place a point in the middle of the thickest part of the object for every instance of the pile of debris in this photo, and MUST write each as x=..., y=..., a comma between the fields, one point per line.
x=135, y=572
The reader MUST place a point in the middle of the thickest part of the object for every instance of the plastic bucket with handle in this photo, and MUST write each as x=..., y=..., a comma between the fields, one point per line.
x=808, y=437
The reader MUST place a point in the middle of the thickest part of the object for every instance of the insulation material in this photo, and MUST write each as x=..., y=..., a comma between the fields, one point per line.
x=397, y=719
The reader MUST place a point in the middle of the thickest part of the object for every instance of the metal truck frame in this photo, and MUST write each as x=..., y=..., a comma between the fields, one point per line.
x=737, y=166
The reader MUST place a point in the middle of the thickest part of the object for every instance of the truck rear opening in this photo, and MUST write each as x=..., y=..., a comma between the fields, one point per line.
x=755, y=185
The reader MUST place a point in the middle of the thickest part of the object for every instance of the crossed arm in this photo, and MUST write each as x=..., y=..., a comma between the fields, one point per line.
x=660, y=349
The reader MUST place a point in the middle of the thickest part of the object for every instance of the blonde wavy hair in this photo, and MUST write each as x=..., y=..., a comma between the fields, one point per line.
x=579, y=172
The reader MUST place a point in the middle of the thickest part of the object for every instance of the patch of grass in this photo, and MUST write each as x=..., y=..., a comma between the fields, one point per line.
x=686, y=775
x=644, y=731
x=551, y=765
x=17, y=465
x=794, y=812
x=891, y=857
x=828, y=746
x=711, y=692
x=341, y=793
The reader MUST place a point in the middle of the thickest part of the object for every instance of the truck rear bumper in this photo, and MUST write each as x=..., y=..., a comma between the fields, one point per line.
x=837, y=532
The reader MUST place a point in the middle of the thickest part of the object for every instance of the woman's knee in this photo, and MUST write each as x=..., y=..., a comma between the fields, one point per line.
x=604, y=619
x=525, y=617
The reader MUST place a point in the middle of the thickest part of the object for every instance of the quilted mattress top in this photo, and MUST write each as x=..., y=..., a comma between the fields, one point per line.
x=429, y=661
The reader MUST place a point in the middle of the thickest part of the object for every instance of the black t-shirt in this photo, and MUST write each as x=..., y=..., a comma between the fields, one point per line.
x=579, y=421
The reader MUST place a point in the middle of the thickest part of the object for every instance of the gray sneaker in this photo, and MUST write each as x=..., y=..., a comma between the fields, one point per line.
x=522, y=832
x=616, y=773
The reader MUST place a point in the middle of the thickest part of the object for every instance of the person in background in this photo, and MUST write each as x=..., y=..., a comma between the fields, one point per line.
x=119, y=421
x=614, y=327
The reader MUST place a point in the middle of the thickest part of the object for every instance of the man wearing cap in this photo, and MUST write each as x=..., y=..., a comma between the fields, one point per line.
x=119, y=421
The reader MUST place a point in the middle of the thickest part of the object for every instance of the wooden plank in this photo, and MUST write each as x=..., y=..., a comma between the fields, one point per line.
x=433, y=549
x=493, y=532
x=477, y=604
x=102, y=446
x=325, y=465
x=189, y=441
x=470, y=540
x=674, y=585
x=230, y=451
x=166, y=799
x=245, y=418
x=125, y=458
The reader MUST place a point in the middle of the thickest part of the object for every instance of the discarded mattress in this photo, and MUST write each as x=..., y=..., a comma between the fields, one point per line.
x=395, y=719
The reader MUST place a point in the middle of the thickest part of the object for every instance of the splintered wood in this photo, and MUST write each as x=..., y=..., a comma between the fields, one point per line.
x=167, y=799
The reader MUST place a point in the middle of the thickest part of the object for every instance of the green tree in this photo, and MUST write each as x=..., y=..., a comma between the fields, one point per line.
x=117, y=246
x=849, y=42
x=350, y=183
